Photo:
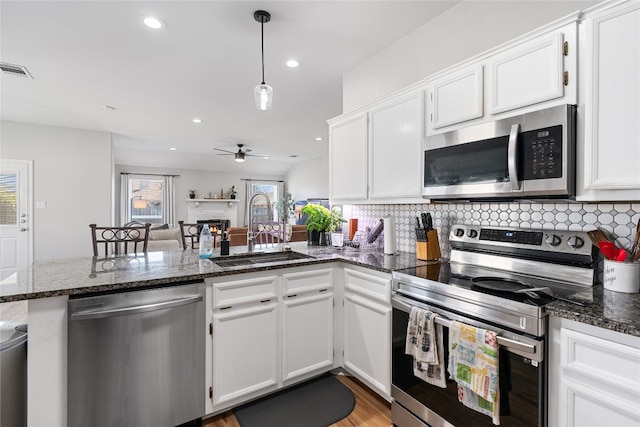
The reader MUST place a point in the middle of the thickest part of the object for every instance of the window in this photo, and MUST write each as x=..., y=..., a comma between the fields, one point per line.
x=259, y=208
x=147, y=198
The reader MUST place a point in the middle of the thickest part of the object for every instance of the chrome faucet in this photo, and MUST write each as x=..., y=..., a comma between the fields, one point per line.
x=250, y=235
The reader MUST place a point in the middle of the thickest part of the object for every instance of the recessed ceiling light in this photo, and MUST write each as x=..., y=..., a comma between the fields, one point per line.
x=197, y=120
x=108, y=107
x=266, y=157
x=172, y=148
x=318, y=139
x=292, y=63
x=153, y=22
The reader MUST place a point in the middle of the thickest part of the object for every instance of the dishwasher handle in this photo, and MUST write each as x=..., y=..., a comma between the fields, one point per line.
x=145, y=308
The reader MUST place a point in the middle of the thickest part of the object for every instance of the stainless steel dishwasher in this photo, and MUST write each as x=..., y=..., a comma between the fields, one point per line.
x=137, y=358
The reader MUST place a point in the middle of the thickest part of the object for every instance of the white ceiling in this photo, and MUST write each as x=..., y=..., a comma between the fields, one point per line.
x=84, y=55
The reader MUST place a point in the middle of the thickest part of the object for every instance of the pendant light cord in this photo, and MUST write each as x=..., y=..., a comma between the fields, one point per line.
x=262, y=44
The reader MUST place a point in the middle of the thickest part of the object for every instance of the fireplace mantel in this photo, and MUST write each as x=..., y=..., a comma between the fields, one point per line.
x=201, y=209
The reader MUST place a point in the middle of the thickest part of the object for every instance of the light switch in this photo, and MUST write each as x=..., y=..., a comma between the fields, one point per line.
x=41, y=205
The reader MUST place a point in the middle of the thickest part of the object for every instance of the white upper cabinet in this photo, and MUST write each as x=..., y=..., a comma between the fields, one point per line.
x=526, y=74
x=375, y=154
x=609, y=149
x=455, y=98
x=535, y=71
x=348, y=140
x=395, y=148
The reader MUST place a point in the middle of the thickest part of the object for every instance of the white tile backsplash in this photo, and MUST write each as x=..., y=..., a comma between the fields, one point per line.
x=620, y=219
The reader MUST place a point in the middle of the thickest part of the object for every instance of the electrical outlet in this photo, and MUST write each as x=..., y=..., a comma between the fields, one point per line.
x=41, y=205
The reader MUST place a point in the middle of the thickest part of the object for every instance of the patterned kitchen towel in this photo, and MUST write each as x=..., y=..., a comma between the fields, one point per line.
x=473, y=364
x=424, y=343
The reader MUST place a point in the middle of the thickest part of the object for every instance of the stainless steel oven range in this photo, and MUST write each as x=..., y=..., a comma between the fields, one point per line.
x=497, y=278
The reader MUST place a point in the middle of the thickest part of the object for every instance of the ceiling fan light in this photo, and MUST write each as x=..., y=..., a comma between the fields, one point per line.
x=239, y=157
x=264, y=96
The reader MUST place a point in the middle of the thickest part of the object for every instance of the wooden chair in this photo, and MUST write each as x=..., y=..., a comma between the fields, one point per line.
x=190, y=233
x=120, y=240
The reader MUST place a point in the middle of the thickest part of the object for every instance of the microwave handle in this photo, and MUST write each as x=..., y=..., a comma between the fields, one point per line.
x=512, y=162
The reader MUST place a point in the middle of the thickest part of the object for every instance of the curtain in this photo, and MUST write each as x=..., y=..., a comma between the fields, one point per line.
x=125, y=205
x=169, y=202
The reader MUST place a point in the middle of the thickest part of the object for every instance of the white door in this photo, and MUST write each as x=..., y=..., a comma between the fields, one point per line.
x=15, y=216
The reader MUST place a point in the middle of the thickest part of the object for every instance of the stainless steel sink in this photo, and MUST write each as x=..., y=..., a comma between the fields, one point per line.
x=257, y=258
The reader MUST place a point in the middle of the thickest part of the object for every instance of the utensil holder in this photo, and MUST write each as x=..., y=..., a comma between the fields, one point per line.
x=621, y=276
x=429, y=250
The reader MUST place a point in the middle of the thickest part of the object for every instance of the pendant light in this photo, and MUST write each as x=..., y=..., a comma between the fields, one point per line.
x=263, y=92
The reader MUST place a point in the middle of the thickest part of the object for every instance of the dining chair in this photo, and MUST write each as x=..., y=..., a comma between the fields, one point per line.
x=190, y=233
x=120, y=240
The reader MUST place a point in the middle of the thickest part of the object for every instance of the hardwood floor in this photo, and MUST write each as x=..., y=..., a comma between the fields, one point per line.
x=371, y=410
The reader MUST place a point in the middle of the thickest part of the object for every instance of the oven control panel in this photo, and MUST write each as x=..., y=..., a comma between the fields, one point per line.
x=576, y=242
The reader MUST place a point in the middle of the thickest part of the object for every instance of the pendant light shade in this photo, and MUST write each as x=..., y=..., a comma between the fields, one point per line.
x=263, y=93
x=264, y=96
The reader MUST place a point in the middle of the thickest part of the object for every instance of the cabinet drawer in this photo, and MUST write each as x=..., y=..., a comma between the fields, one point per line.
x=307, y=281
x=244, y=290
x=369, y=285
x=610, y=363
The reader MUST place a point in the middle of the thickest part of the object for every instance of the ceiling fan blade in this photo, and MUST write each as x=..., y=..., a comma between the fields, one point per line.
x=226, y=151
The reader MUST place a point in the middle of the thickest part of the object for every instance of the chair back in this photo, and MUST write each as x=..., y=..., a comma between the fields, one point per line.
x=190, y=235
x=268, y=232
x=120, y=240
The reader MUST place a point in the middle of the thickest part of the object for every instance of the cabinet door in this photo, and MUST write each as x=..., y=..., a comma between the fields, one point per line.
x=348, y=159
x=455, y=98
x=608, y=168
x=367, y=342
x=307, y=334
x=395, y=149
x=245, y=351
x=527, y=74
x=594, y=378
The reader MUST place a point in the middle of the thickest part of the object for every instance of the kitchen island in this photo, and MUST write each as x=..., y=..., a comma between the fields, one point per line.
x=47, y=286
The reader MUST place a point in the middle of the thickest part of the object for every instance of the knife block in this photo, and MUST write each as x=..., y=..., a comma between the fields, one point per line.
x=429, y=250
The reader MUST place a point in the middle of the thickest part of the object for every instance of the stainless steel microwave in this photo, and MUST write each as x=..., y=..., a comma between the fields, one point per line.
x=526, y=156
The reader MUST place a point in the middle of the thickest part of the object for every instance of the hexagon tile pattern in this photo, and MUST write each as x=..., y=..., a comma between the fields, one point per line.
x=620, y=219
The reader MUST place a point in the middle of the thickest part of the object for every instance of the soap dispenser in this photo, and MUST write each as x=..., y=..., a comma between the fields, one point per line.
x=224, y=244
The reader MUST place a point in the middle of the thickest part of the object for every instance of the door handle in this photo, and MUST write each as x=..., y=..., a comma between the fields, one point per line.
x=112, y=312
x=512, y=161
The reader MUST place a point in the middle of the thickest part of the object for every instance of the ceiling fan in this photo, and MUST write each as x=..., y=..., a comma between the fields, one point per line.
x=240, y=154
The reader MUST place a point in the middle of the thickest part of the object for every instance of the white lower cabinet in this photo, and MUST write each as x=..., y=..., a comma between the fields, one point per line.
x=367, y=328
x=307, y=323
x=245, y=338
x=594, y=376
x=268, y=330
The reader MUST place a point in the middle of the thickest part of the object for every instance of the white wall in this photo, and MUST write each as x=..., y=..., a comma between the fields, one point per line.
x=202, y=181
x=72, y=173
x=309, y=179
x=465, y=30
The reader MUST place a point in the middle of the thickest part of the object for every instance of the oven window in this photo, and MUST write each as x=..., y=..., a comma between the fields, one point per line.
x=520, y=386
x=474, y=162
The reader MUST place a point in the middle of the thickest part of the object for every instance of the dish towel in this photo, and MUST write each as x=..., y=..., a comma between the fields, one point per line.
x=424, y=343
x=473, y=364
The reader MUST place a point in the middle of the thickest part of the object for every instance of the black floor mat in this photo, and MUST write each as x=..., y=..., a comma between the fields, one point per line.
x=316, y=403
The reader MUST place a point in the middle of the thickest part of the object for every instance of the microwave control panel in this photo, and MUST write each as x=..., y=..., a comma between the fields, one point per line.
x=542, y=153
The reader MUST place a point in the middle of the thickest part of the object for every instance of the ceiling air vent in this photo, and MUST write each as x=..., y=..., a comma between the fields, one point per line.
x=15, y=70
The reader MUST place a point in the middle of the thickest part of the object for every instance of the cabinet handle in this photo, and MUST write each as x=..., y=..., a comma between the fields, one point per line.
x=226, y=308
x=292, y=296
x=323, y=290
x=265, y=300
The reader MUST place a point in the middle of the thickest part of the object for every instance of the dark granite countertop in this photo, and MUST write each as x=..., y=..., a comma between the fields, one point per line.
x=607, y=309
x=88, y=275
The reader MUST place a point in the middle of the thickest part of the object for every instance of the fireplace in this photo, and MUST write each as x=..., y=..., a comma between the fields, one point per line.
x=220, y=224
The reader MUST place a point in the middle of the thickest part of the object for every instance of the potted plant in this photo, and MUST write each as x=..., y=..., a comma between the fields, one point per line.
x=232, y=192
x=321, y=221
x=192, y=194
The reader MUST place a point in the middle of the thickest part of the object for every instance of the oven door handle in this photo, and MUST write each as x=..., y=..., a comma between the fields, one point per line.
x=507, y=343
x=512, y=160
